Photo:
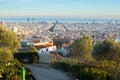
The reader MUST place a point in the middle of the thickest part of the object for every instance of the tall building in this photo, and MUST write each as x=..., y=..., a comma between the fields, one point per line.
x=33, y=20
x=2, y=24
x=15, y=29
x=28, y=19
x=116, y=22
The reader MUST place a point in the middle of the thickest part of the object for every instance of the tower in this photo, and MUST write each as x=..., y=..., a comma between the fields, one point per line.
x=28, y=19
x=2, y=24
x=15, y=29
x=33, y=20
x=93, y=20
x=116, y=22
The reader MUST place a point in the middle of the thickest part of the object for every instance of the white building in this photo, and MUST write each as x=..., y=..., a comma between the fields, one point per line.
x=48, y=49
x=64, y=50
x=44, y=54
x=15, y=29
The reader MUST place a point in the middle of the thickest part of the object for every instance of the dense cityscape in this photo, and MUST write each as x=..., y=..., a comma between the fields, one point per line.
x=50, y=30
x=56, y=41
x=49, y=34
x=59, y=40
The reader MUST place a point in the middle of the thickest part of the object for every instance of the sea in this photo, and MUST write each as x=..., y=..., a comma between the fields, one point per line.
x=59, y=19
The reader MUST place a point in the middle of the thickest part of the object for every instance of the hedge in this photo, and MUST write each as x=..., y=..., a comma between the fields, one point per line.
x=27, y=57
x=82, y=72
x=12, y=71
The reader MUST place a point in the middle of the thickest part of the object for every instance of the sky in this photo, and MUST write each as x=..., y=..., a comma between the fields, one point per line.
x=64, y=8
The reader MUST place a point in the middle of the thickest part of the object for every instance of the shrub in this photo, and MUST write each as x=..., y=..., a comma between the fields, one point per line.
x=62, y=65
x=28, y=57
x=11, y=71
x=84, y=71
x=5, y=55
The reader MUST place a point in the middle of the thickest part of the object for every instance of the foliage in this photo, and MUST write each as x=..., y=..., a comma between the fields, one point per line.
x=11, y=71
x=5, y=55
x=8, y=39
x=27, y=57
x=82, y=48
x=67, y=64
x=84, y=71
x=63, y=65
x=107, y=49
x=10, y=68
x=105, y=67
x=33, y=49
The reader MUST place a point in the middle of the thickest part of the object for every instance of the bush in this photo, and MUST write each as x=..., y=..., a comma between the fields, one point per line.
x=11, y=71
x=5, y=55
x=28, y=57
x=62, y=65
x=107, y=49
x=84, y=72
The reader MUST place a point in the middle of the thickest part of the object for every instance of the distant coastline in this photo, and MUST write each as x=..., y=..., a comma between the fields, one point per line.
x=59, y=19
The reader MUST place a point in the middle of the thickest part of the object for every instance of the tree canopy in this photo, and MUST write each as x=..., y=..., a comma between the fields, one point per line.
x=33, y=49
x=82, y=48
x=107, y=49
x=5, y=55
x=8, y=40
x=8, y=45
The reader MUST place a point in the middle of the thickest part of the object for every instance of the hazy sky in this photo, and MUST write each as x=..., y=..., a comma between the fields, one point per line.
x=73, y=8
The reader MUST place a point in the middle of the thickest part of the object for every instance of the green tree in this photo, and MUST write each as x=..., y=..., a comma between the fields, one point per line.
x=103, y=49
x=82, y=48
x=107, y=49
x=8, y=40
x=8, y=44
x=33, y=49
x=115, y=53
x=5, y=55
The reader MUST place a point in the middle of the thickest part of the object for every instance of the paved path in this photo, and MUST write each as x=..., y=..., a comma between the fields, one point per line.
x=45, y=72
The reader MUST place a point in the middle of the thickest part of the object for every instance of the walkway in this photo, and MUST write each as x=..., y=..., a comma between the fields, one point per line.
x=45, y=72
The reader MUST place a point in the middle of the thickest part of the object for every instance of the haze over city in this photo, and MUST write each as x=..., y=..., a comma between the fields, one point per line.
x=62, y=8
x=59, y=40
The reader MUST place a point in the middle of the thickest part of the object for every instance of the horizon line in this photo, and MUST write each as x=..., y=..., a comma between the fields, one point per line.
x=63, y=17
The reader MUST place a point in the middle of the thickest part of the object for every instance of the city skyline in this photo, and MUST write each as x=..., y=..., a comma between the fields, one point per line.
x=64, y=8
